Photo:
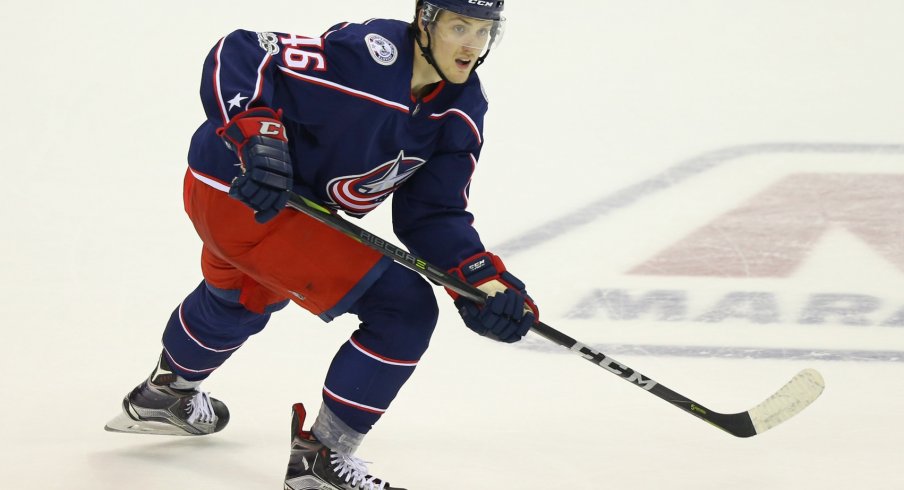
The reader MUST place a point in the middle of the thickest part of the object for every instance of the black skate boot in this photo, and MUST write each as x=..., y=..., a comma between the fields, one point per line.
x=155, y=407
x=313, y=466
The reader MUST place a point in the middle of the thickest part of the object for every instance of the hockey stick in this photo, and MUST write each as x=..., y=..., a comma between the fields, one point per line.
x=797, y=394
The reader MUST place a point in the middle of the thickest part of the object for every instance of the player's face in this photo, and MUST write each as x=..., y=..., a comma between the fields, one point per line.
x=457, y=43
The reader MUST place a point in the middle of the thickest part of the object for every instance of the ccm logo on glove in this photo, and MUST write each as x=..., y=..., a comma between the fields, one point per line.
x=271, y=128
x=509, y=311
x=479, y=265
x=259, y=140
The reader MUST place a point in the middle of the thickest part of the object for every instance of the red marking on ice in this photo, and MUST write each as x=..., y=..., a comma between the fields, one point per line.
x=772, y=234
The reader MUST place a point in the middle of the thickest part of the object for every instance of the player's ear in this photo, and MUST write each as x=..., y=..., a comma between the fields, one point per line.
x=418, y=11
x=419, y=22
x=418, y=18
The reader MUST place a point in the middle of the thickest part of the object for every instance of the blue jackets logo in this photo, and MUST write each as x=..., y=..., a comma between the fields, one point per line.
x=360, y=194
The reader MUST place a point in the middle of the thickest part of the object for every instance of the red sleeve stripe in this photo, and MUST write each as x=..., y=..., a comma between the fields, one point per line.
x=259, y=86
x=343, y=26
x=216, y=83
x=385, y=360
x=460, y=113
x=346, y=90
x=464, y=192
x=345, y=401
x=216, y=184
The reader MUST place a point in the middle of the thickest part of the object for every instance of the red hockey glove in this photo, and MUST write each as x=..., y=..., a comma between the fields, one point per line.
x=509, y=311
x=259, y=139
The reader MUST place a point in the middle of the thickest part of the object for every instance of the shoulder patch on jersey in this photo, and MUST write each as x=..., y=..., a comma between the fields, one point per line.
x=381, y=49
x=268, y=42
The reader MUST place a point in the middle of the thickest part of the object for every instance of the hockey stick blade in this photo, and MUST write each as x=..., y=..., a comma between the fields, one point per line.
x=795, y=396
x=788, y=401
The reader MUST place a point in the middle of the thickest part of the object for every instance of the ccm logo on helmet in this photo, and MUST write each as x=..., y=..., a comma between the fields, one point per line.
x=482, y=3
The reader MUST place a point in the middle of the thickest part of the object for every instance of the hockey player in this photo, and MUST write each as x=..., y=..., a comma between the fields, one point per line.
x=345, y=119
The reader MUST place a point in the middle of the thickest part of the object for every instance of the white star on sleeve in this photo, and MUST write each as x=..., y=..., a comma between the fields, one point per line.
x=236, y=101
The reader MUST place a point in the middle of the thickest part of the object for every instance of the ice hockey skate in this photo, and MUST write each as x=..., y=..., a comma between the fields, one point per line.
x=313, y=466
x=155, y=407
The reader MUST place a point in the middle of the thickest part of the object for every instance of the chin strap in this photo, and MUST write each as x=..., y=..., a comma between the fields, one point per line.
x=427, y=53
x=480, y=60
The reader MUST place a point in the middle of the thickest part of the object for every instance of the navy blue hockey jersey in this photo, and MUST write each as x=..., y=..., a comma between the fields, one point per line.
x=355, y=132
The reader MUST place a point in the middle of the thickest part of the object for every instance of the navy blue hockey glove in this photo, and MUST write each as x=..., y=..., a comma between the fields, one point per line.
x=258, y=137
x=509, y=311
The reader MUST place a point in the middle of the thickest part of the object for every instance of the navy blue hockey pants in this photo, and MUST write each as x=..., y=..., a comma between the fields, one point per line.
x=398, y=314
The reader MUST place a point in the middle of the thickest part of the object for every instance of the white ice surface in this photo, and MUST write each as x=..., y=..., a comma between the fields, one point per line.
x=588, y=98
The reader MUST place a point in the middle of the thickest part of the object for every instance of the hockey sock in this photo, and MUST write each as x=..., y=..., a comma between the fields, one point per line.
x=334, y=433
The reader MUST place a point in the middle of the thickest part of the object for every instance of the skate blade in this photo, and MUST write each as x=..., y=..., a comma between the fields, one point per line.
x=124, y=424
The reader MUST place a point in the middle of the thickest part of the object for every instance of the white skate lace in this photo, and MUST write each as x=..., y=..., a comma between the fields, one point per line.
x=199, y=409
x=355, y=472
